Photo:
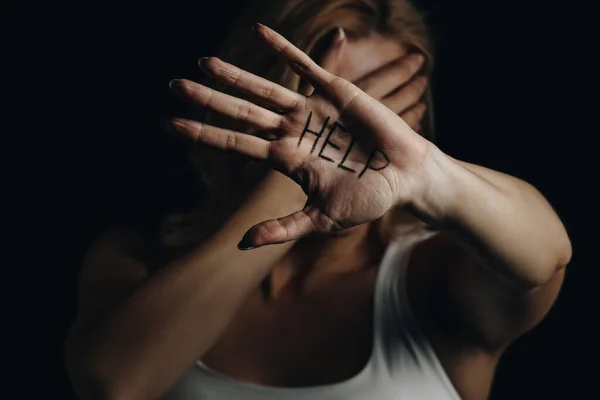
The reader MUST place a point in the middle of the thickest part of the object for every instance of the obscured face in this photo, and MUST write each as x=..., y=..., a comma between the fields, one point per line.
x=366, y=55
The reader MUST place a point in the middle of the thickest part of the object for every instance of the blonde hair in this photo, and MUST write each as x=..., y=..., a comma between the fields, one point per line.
x=305, y=23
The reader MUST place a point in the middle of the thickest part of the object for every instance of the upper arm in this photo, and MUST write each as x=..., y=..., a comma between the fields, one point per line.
x=484, y=306
x=110, y=271
x=478, y=308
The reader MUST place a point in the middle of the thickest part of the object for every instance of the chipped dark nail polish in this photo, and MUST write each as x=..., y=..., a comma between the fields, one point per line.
x=243, y=245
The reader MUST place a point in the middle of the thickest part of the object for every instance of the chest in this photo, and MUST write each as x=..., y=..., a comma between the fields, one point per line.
x=323, y=338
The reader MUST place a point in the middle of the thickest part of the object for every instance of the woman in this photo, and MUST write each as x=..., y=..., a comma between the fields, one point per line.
x=384, y=268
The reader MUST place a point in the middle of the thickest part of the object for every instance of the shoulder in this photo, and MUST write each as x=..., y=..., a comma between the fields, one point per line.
x=120, y=236
x=126, y=242
x=466, y=304
x=115, y=242
x=115, y=249
x=113, y=265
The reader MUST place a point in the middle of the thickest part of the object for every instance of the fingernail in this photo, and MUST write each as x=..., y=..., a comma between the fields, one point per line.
x=340, y=35
x=167, y=125
x=256, y=26
x=201, y=61
x=173, y=82
x=242, y=245
x=420, y=59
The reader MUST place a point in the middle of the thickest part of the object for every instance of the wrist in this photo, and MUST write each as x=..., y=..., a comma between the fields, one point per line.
x=436, y=190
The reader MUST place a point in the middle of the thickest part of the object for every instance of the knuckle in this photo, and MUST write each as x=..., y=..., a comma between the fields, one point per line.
x=267, y=91
x=243, y=111
x=230, y=142
x=298, y=102
x=271, y=230
x=304, y=62
x=206, y=97
x=198, y=133
x=231, y=75
x=276, y=122
x=281, y=45
x=339, y=85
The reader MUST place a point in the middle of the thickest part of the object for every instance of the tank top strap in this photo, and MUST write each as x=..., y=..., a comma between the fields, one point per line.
x=405, y=347
x=390, y=309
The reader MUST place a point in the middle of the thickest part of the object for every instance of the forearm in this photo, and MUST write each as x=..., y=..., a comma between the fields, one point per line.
x=502, y=220
x=142, y=346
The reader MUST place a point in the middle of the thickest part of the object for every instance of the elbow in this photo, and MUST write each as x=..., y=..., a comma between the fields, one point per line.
x=88, y=384
x=560, y=249
x=93, y=390
x=565, y=252
x=89, y=377
x=561, y=256
x=554, y=265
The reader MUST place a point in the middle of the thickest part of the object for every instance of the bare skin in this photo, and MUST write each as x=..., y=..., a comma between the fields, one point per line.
x=493, y=276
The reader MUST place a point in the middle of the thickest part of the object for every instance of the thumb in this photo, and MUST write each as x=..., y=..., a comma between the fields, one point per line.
x=281, y=230
x=329, y=59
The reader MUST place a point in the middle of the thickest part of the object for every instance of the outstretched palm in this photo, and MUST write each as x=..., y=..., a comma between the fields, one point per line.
x=353, y=157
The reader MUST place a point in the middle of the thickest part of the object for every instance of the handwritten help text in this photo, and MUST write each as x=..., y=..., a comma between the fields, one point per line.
x=328, y=142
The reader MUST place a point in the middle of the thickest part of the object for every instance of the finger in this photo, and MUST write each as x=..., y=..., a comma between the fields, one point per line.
x=406, y=96
x=219, y=138
x=330, y=59
x=391, y=76
x=305, y=88
x=229, y=106
x=301, y=63
x=414, y=115
x=261, y=90
x=280, y=230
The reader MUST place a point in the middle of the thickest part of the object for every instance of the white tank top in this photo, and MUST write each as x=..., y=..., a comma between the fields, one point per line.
x=402, y=366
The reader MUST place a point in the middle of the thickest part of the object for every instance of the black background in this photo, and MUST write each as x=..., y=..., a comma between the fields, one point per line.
x=87, y=81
